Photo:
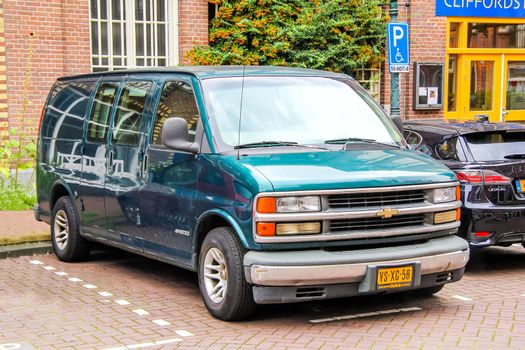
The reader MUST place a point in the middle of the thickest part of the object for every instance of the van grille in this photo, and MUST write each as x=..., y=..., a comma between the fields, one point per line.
x=376, y=223
x=376, y=199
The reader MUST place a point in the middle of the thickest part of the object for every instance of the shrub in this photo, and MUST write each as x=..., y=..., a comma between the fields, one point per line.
x=333, y=35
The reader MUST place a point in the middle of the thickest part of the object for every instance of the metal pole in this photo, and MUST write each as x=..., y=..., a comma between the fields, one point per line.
x=395, y=110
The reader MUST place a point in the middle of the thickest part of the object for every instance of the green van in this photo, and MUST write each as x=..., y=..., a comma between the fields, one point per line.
x=275, y=185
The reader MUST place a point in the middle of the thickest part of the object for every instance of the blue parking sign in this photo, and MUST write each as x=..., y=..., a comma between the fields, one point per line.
x=398, y=48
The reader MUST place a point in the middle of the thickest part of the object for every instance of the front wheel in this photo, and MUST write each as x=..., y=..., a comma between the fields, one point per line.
x=68, y=244
x=223, y=287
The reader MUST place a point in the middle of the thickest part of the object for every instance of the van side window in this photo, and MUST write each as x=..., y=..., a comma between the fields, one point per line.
x=66, y=110
x=126, y=127
x=99, y=120
x=177, y=100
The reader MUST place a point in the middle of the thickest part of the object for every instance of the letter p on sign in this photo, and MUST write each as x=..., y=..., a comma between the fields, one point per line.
x=398, y=34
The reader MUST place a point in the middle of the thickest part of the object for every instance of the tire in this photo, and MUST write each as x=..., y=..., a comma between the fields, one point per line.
x=428, y=291
x=224, y=289
x=68, y=244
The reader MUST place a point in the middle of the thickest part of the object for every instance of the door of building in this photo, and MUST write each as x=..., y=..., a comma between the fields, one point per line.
x=514, y=88
x=481, y=93
x=494, y=87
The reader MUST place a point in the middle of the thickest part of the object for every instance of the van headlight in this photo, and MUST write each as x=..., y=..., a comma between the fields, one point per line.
x=444, y=195
x=295, y=204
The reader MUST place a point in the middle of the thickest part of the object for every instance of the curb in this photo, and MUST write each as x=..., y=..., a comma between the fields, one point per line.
x=25, y=249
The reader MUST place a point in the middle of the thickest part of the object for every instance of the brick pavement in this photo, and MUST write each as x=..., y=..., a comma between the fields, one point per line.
x=21, y=226
x=49, y=311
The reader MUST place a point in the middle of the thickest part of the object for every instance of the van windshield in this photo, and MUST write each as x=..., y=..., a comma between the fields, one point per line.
x=296, y=110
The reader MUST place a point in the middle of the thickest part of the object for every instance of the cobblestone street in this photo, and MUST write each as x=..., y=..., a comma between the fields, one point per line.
x=121, y=301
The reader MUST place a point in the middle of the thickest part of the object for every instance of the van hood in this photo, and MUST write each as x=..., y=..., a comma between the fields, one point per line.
x=347, y=169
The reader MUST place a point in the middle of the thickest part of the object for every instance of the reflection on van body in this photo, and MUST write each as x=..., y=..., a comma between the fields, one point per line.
x=158, y=163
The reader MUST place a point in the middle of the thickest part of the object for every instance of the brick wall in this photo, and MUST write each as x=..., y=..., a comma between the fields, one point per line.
x=60, y=46
x=193, y=26
x=428, y=44
x=4, y=122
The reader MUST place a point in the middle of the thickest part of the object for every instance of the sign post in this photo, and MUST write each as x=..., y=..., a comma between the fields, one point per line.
x=398, y=57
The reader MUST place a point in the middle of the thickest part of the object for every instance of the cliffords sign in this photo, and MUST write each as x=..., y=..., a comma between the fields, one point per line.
x=481, y=8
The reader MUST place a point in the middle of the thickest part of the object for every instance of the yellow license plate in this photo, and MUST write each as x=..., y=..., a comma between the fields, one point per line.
x=395, y=277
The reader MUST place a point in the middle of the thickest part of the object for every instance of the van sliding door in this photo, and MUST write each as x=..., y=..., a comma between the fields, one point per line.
x=125, y=156
x=94, y=152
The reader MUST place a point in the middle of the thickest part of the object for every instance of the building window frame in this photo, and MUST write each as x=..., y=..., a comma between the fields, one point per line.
x=103, y=55
x=462, y=54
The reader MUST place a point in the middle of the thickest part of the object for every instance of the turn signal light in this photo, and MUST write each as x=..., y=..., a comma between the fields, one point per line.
x=458, y=193
x=266, y=205
x=266, y=229
x=488, y=177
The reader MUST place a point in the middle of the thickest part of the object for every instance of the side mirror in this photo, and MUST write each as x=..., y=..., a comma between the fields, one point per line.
x=398, y=122
x=174, y=135
x=413, y=139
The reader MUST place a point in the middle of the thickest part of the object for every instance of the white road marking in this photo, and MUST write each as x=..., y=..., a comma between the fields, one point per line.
x=161, y=322
x=462, y=298
x=140, y=312
x=144, y=345
x=366, y=314
x=184, y=333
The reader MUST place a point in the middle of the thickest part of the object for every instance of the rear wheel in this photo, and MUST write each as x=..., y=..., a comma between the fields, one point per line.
x=67, y=242
x=224, y=289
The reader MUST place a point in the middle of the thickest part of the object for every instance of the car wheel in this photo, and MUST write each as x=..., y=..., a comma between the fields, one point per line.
x=224, y=289
x=68, y=244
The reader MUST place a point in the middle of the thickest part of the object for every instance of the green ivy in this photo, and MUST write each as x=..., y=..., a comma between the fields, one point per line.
x=332, y=35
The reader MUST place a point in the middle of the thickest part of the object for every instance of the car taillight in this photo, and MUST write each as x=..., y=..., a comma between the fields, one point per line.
x=489, y=177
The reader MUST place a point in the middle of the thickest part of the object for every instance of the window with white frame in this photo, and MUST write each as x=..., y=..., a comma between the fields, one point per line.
x=133, y=33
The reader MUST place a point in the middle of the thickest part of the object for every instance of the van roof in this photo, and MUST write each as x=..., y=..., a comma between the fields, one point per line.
x=207, y=72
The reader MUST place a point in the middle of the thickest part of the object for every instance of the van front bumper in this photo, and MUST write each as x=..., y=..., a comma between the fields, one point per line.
x=317, y=274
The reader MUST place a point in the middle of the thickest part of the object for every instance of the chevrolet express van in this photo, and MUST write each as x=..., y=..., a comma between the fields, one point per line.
x=275, y=185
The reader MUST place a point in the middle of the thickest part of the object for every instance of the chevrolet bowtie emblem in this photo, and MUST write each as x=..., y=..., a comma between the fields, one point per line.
x=387, y=213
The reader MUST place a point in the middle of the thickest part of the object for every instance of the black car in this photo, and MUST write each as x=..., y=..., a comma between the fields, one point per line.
x=489, y=162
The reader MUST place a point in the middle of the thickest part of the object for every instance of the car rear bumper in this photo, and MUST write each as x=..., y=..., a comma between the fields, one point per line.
x=271, y=272
x=505, y=226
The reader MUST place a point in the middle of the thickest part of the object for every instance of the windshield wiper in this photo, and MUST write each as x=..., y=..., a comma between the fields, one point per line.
x=357, y=140
x=277, y=144
x=515, y=156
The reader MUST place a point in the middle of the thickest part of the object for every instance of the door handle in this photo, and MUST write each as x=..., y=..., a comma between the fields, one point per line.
x=144, y=168
x=110, y=162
